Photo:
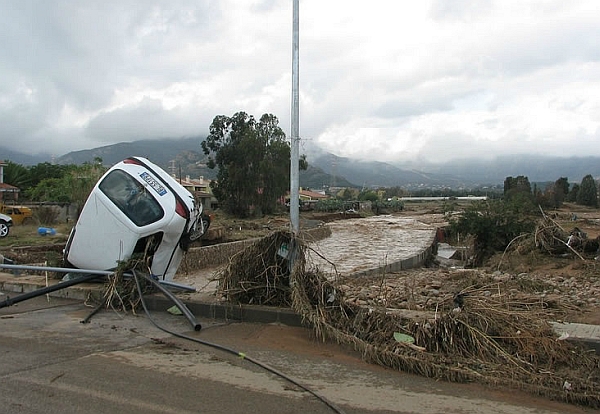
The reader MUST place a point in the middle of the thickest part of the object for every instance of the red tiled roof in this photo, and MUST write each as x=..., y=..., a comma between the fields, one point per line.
x=313, y=195
x=9, y=188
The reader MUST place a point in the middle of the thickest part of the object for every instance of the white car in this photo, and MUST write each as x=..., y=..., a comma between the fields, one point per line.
x=5, y=224
x=136, y=207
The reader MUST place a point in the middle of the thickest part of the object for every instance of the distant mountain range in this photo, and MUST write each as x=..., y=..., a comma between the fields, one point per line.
x=184, y=156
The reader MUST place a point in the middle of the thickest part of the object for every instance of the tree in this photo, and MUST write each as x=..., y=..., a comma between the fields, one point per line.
x=274, y=165
x=561, y=189
x=394, y=192
x=494, y=224
x=554, y=195
x=49, y=190
x=253, y=161
x=72, y=185
x=80, y=181
x=17, y=175
x=518, y=185
x=46, y=170
x=368, y=195
x=347, y=194
x=562, y=185
x=572, y=195
x=588, y=192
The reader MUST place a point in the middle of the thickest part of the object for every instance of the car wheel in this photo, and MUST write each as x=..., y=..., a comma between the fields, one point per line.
x=4, y=229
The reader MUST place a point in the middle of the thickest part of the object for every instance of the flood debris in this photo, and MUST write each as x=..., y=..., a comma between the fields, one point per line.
x=125, y=288
x=487, y=339
x=553, y=239
x=259, y=274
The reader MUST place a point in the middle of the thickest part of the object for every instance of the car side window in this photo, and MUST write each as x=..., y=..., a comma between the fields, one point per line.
x=131, y=197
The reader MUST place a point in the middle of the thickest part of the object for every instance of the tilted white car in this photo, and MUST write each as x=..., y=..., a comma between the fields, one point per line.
x=5, y=225
x=136, y=207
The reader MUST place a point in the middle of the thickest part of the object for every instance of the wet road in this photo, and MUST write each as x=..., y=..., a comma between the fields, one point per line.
x=121, y=363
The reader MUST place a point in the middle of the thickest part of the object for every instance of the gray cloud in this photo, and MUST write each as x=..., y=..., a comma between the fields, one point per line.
x=383, y=80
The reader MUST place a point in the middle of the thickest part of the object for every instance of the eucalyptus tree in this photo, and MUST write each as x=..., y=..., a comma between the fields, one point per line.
x=253, y=162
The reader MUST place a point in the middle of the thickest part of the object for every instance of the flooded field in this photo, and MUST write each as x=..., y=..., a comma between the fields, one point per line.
x=367, y=243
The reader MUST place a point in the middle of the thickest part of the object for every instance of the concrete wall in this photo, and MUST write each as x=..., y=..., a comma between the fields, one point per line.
x=219, y=254
x=414, y=261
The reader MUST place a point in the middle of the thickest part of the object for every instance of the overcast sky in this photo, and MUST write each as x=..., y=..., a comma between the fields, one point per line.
x=380, y=80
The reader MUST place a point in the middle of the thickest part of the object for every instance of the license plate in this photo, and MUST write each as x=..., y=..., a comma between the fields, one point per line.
x=154, y=184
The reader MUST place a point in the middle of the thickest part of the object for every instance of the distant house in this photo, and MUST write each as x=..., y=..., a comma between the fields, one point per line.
x=307, y=195
x=7, y=192
x=308, y=198
x=200, y=188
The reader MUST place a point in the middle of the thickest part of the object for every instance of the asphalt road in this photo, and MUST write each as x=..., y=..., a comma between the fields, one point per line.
x=50, y=362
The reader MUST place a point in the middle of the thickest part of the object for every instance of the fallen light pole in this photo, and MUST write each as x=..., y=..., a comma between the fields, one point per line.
x=42, y=291
x=88, y=275
x=88, y=271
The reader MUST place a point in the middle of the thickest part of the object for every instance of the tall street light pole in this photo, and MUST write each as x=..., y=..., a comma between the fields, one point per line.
x=295, y=135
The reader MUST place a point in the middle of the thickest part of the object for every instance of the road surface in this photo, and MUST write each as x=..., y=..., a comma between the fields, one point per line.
x=50, y=362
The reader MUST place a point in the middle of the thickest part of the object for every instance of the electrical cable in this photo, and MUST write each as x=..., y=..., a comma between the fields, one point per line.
x=232, y=351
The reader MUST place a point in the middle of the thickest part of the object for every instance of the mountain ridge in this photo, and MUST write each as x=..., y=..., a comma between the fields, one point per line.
x=183, y=156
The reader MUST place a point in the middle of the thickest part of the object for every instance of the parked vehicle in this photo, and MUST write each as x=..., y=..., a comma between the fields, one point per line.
x=136, y=208
x=19, y=214
x=5, y=224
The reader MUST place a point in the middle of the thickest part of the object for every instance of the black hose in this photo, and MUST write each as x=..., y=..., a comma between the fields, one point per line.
x=189, y=315
x=39, y=292
x=95, y=311
x=232, y=351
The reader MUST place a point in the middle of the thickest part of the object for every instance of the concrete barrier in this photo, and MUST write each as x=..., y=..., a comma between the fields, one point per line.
x=409, y=263
x=219, y=254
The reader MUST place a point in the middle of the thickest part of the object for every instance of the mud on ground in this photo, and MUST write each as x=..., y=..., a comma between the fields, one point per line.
x=566, y=287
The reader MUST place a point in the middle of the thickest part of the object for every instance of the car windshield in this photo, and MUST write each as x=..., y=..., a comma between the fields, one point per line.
x=131, y=198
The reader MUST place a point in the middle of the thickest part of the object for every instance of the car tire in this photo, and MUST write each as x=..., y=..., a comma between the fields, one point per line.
x=4, y=229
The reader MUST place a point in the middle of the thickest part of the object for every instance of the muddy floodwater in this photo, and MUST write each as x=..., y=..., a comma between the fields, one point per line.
x=361, y=244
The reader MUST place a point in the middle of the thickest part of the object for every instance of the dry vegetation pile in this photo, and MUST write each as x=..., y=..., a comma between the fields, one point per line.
x=471, y=335
x=551, y=238
x=260, y=273
x=34, y=254
x=560, y=295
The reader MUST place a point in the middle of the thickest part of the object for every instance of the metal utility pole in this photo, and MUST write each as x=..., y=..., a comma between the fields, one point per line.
x=295, y=135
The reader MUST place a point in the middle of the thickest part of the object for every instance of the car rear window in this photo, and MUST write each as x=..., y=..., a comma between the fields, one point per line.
x=131, y=197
